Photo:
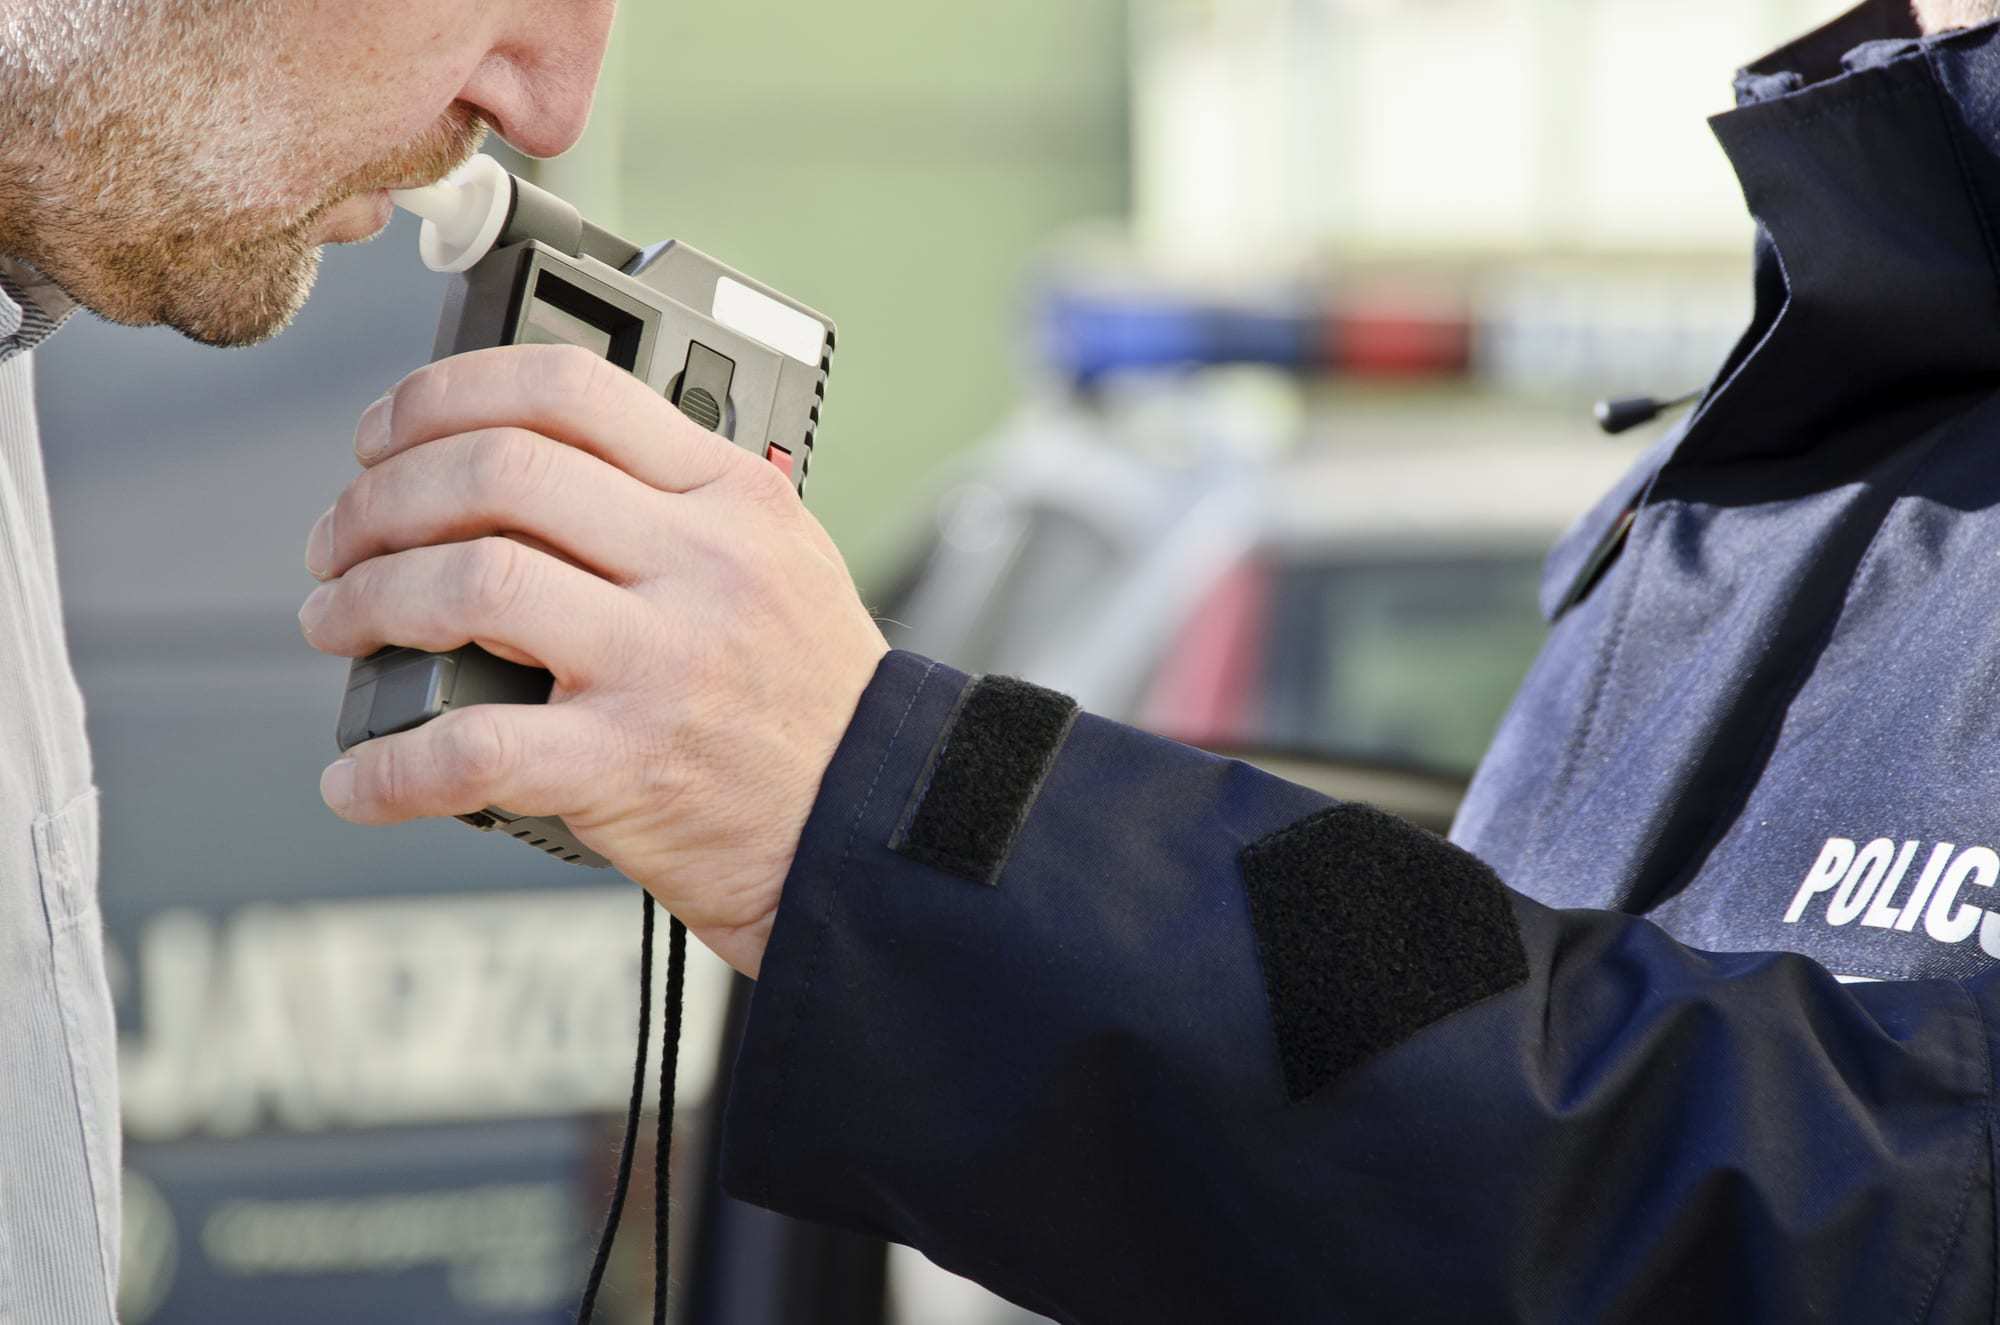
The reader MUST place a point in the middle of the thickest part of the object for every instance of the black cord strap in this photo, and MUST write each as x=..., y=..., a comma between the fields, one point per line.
x=663, y=1148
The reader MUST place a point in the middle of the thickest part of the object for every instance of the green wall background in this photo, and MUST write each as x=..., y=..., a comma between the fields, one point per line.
x=896, y=164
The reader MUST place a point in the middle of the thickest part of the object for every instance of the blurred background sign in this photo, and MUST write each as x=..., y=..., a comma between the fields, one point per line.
x=1224, y=362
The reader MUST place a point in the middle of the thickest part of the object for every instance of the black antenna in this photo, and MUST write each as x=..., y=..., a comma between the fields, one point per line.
x=1622, y=416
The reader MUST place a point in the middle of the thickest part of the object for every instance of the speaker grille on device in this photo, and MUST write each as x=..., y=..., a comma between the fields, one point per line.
x=700, y=406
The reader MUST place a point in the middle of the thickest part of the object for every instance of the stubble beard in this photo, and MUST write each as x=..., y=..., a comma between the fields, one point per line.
x=149, y=166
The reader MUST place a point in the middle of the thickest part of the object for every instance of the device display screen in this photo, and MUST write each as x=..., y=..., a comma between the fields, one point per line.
x=549, y=325
x=560, y=313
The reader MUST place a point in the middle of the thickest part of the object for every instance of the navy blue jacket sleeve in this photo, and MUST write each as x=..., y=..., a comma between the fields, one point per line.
x=1070, y=1083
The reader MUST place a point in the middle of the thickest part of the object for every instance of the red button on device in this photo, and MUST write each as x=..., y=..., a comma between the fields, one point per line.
x=780, y=457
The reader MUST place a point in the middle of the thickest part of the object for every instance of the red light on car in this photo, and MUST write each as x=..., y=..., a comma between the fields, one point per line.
x=1396, y=343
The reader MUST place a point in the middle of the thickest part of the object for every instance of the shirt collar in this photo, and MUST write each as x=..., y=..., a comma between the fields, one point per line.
x=31, y=308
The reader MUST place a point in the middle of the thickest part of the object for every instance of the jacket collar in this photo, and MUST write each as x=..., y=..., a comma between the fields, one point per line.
x=1822, y=54
x=1870, y=157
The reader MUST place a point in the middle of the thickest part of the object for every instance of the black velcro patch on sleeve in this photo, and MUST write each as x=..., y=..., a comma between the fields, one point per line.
x=984, y=776
x=1371, y=929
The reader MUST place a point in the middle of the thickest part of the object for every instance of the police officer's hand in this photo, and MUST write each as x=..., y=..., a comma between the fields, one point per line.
x=708, y=644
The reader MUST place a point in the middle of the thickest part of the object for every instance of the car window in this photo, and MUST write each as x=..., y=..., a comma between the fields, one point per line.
x=999, y=597
x=1063, y=568
x=1404, y=661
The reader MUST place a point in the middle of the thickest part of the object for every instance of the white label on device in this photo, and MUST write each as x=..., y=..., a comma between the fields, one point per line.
x=762, y=318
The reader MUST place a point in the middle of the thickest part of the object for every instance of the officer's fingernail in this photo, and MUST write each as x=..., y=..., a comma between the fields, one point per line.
x=319, y=546
x=336, y=785
x=371, y=438
x=314, y=610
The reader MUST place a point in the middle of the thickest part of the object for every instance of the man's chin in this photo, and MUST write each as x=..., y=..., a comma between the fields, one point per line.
x=218, y=287
x=248, y=313
x=264, y=304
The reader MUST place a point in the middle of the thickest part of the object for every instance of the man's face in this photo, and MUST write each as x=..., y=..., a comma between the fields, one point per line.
x=183, y=161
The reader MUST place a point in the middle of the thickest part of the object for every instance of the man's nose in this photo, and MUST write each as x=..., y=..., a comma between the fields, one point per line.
x=536, y=83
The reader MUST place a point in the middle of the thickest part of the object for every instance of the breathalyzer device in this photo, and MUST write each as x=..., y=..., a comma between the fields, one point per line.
x=734, y=355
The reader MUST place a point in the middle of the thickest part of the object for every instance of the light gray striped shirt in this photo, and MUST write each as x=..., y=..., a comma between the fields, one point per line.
x=59, y=1143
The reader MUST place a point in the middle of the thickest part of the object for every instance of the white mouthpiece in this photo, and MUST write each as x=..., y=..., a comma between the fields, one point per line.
x=463, y=213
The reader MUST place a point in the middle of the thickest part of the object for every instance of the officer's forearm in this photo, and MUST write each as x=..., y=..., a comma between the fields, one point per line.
x=1198, y=1046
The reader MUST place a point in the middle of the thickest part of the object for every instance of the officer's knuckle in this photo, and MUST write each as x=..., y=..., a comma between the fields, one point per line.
x=768, y=484
x=504, y=464
x=492, y=577
x=570, y=373
x=385, y=778
x=357, y=592
x=475, y=750
x=424, y=392
x=358, y=506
